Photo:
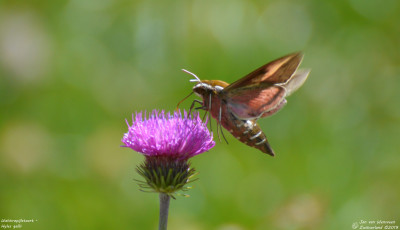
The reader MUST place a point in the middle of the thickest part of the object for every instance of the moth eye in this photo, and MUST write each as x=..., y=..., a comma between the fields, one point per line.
x=198, y=90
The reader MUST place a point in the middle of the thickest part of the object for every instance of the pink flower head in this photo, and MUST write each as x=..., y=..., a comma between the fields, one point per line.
x=165, y=135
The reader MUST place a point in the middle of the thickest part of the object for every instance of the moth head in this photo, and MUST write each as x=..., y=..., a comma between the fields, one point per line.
x=201, y=87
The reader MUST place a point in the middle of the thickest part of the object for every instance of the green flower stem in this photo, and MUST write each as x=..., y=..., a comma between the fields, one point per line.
x=164, y=206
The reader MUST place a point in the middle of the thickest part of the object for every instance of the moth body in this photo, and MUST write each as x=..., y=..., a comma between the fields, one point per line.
x=261, y=93
x=246, y=131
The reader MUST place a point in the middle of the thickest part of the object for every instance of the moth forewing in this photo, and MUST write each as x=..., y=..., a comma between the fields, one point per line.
x=282, y=72
x=278, y=71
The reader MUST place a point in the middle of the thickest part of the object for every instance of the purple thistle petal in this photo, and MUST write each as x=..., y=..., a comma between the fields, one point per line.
x=162, y=134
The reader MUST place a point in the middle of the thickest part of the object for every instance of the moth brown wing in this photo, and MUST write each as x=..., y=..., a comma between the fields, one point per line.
x=255, y=102
x=278, y=71
x=260, y=93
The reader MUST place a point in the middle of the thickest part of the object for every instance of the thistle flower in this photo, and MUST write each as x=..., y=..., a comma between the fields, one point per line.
x=167, y=141
x=165, y=135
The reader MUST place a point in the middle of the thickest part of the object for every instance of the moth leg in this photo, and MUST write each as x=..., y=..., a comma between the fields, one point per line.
x=193, y=103
x=220, y=125
x=223, y=135
x=207, y=112
x=218, y=132
x=209, y=109
x=203, y=107
x=204, y=116
x=209, y=120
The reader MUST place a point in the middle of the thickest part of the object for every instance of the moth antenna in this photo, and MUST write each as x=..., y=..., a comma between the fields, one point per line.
x=194, y=75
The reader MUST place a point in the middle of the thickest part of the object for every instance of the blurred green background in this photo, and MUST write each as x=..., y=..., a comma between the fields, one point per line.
x=71, y=71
